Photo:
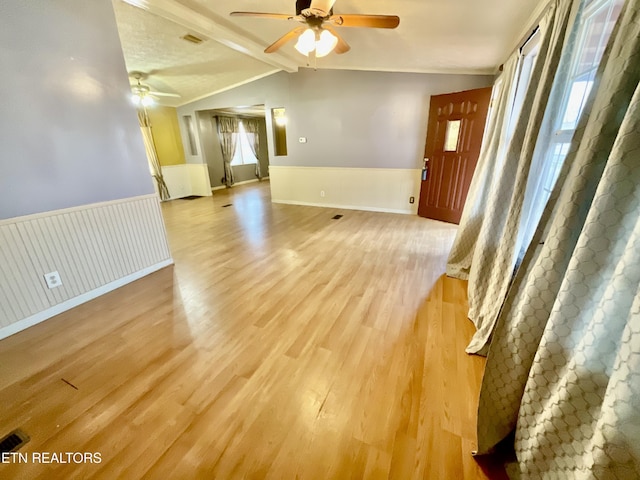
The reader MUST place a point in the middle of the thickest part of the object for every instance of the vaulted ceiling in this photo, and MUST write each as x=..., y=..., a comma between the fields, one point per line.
x=434, y=36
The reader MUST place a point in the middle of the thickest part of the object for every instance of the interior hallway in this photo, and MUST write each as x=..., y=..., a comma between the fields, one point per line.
x=282, y=344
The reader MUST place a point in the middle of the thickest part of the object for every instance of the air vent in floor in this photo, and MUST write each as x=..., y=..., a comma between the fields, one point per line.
x=337, y=217
x=13, y=441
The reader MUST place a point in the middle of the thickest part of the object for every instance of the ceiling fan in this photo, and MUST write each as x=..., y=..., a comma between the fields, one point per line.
x=142, y=94
x=317, y=35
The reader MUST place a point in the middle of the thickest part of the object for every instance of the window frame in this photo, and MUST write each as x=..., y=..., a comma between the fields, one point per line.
x=563, y=135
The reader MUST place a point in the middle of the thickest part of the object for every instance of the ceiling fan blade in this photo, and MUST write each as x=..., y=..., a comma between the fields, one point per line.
x=342, y=46
x=164, y=94
x=366, y=21
x=284, y=39
x=277, y=16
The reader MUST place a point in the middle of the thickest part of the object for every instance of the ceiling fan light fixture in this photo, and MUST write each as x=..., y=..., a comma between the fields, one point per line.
x=325, y=44
x=146, y=101
x=306, y=42
x=141, y=99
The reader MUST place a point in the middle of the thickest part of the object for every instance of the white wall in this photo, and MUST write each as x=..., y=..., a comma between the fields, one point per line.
x=75, y=191
x=351, y=119
x=376, y=189
x=68, y=133
x=186, y=180
x=95, y=249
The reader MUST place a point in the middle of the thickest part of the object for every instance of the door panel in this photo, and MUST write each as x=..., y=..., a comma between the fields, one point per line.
x=454, y=136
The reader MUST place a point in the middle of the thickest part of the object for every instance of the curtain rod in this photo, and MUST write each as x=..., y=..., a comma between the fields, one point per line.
x=530, y=37
x=530, y=32
x=523, y=44
x=250, y=117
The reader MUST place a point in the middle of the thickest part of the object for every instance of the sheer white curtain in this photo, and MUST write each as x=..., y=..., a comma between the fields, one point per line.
x=564, y=364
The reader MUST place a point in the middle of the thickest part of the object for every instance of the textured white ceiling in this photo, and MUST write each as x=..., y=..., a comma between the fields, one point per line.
x=152, y=45
x=433, y=36
x=448, y=36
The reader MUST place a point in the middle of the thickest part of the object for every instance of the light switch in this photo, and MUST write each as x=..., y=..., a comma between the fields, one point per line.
x=302, y=139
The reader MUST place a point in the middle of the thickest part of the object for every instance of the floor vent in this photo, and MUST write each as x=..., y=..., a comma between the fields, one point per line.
x=227, y=205
x=13, y=441
x=336, y=217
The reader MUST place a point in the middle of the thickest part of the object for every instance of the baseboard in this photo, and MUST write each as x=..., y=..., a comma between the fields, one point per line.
x=253, y=180
x=245, y=182
x=345, y=207
x=79, y=300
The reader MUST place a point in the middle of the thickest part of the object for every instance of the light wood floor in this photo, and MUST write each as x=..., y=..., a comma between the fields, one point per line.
x=282, y=345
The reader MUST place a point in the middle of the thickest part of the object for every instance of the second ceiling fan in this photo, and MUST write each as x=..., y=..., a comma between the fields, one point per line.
x=317, y=35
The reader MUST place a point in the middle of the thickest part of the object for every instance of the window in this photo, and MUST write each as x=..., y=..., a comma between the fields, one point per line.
x=244, y=154
x=595, y=29
x=452, y=135
x=526, y=62
x=568, y=98
x=528, y=56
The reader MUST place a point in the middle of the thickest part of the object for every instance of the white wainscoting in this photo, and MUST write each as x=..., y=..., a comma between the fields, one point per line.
x=95, y=249
x=374, y=189
x=187, y=179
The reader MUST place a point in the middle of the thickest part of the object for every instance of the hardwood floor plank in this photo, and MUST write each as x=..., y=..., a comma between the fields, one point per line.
x=282, y=344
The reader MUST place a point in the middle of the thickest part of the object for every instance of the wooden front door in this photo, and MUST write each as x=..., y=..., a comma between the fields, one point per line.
x=454, y=137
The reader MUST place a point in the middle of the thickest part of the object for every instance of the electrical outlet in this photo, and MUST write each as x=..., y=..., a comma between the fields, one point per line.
x=412, y=199
x=53, y=279
x=322, y=193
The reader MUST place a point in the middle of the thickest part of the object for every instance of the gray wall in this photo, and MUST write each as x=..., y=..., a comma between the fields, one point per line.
x=350, y=118
x=212, y=152
x=68, y=133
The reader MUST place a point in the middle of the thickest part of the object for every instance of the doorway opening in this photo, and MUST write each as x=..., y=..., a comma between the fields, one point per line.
x=248, y=158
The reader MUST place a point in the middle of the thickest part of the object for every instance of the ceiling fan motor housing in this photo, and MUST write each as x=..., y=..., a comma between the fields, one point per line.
x=318, y=8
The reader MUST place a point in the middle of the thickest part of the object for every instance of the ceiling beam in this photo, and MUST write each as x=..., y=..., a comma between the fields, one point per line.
x=215, y=28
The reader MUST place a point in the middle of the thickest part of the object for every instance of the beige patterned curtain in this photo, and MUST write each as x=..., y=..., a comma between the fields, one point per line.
x=564, y=364
x=494, y=255
x=228, y=131
x=489, y=163
x=152, y=154
x=252, y=129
